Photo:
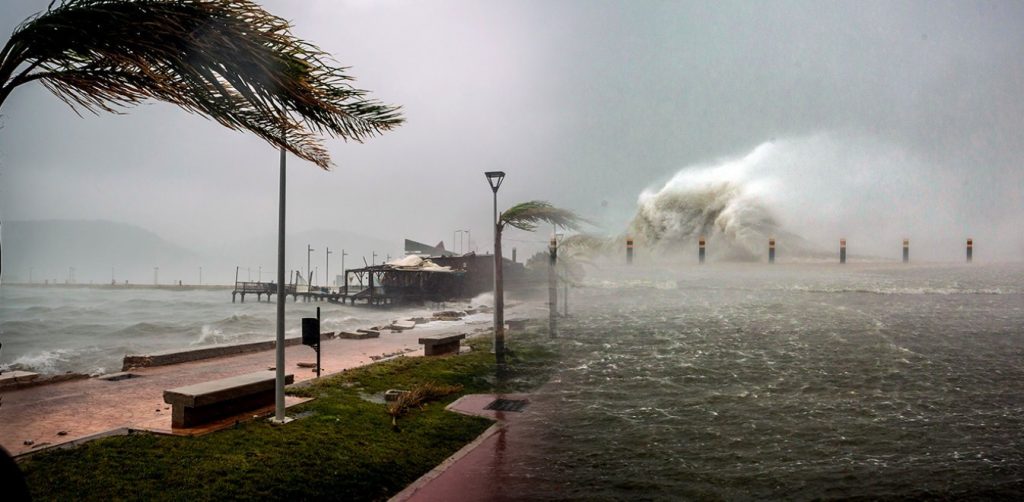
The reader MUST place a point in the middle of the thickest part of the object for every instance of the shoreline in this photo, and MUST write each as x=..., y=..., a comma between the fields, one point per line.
x=61, y=409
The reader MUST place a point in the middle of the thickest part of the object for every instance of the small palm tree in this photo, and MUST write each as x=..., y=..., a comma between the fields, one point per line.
x=228, y=60
x=524, y=216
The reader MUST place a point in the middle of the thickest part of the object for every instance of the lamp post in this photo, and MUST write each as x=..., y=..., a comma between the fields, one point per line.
x=469, y=240
x=457, y=232
x=279, y=346
x=494, y=178
x=343, y=255
x=327, y=267
x=309, y=271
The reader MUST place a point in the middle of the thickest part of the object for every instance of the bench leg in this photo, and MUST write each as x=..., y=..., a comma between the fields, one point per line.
x=440, y=349
x=183, y=416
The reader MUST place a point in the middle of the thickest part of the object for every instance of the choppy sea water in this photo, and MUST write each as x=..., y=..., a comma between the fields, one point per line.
x=89, y=330
x=783, y=382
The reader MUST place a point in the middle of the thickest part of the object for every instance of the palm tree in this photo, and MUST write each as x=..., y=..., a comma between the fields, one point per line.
x=228, y=60
x=524, y=216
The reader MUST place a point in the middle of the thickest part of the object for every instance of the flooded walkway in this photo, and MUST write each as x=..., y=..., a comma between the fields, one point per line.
x=36, y=417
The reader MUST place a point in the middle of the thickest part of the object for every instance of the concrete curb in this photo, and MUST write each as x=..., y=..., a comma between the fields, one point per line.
x=410, y=491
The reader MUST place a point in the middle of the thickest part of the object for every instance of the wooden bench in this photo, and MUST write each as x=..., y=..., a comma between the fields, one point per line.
x=193, y=405
x=438, y=345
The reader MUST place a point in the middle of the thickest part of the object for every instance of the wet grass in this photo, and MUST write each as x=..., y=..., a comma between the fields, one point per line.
x=345, y=447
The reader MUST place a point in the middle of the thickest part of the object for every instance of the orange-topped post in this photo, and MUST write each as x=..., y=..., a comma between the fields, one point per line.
x=842, y=250
x=771, y=250
x=700, y=252
x=629, y=250
x=970, y=249
x=906, y=250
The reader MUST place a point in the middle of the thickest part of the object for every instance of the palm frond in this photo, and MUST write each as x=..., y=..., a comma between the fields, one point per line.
x=228, y=60
x=527, y=215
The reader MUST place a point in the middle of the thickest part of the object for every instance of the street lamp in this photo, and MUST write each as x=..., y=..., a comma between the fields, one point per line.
x=494, y=178
x=309, y=271
x=327, y=268
x=457, y=232
x=469, y=241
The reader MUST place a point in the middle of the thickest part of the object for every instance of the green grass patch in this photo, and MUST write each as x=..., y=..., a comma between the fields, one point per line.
x=344, y=449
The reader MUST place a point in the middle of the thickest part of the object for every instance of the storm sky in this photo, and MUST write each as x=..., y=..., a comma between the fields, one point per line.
x=580, y=102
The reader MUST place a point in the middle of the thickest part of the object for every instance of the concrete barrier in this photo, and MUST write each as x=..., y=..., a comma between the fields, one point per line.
x=166, y=357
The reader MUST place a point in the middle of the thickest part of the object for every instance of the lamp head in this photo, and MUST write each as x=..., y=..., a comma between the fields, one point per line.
x=494, y=178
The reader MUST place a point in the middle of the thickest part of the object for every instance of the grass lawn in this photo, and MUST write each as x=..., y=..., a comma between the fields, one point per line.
x=344, y=447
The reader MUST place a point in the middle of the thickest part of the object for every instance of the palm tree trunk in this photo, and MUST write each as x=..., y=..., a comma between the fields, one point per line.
x=552, y=289
x=499, y=300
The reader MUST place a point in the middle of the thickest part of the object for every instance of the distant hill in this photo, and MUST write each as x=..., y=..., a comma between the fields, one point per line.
x=50, y=248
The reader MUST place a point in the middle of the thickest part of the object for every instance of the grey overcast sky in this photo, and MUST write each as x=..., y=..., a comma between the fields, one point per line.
x=578, y=101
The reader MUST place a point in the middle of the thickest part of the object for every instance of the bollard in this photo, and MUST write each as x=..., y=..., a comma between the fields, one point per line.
x=842, y=250
x=629, y=250
x=771, y=250
x=970, y=250
x=906, y=250
x=700, y=252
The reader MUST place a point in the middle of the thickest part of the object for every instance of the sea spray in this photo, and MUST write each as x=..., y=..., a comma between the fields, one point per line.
x=807, y=192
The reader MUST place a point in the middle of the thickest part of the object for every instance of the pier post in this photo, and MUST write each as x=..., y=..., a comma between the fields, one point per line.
x=700, y=250
x=906, y=250
x=771, y=250
x=629, y=250
x=842, y=250
x=513, y=255
x=970, y=250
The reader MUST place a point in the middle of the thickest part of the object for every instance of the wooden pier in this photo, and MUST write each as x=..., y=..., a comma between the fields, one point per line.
x=377, y=285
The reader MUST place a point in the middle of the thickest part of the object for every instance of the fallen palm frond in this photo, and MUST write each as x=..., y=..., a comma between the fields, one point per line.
x=228, y=60
x=418, y=396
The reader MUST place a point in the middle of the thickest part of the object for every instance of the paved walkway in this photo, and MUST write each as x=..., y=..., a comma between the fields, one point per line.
x=480, y=471
x=62, y=412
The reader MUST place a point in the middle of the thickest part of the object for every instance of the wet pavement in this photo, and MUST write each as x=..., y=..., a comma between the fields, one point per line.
x=37, y=417
x=475, y=472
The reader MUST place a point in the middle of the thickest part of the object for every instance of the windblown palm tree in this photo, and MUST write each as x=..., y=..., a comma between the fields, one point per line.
x=524, y=216
x=228, y=60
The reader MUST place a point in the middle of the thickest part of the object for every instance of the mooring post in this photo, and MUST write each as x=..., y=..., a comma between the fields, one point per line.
x=513, y=255
x=906, y=250
x=771, y=250
x=842, y=250
x=552, y=287
x=629, y=250
x=700, y=250
x=970, y=250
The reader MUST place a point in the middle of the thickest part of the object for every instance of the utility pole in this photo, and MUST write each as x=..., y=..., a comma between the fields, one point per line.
x=373, y=258
x=259, y=278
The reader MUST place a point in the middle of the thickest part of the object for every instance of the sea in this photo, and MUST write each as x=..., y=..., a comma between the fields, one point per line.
x=716, y=382
x=792, y=382
x=55, y=329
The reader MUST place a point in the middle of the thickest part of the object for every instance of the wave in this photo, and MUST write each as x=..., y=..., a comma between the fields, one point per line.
x=44, y=361
x=722, y=203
